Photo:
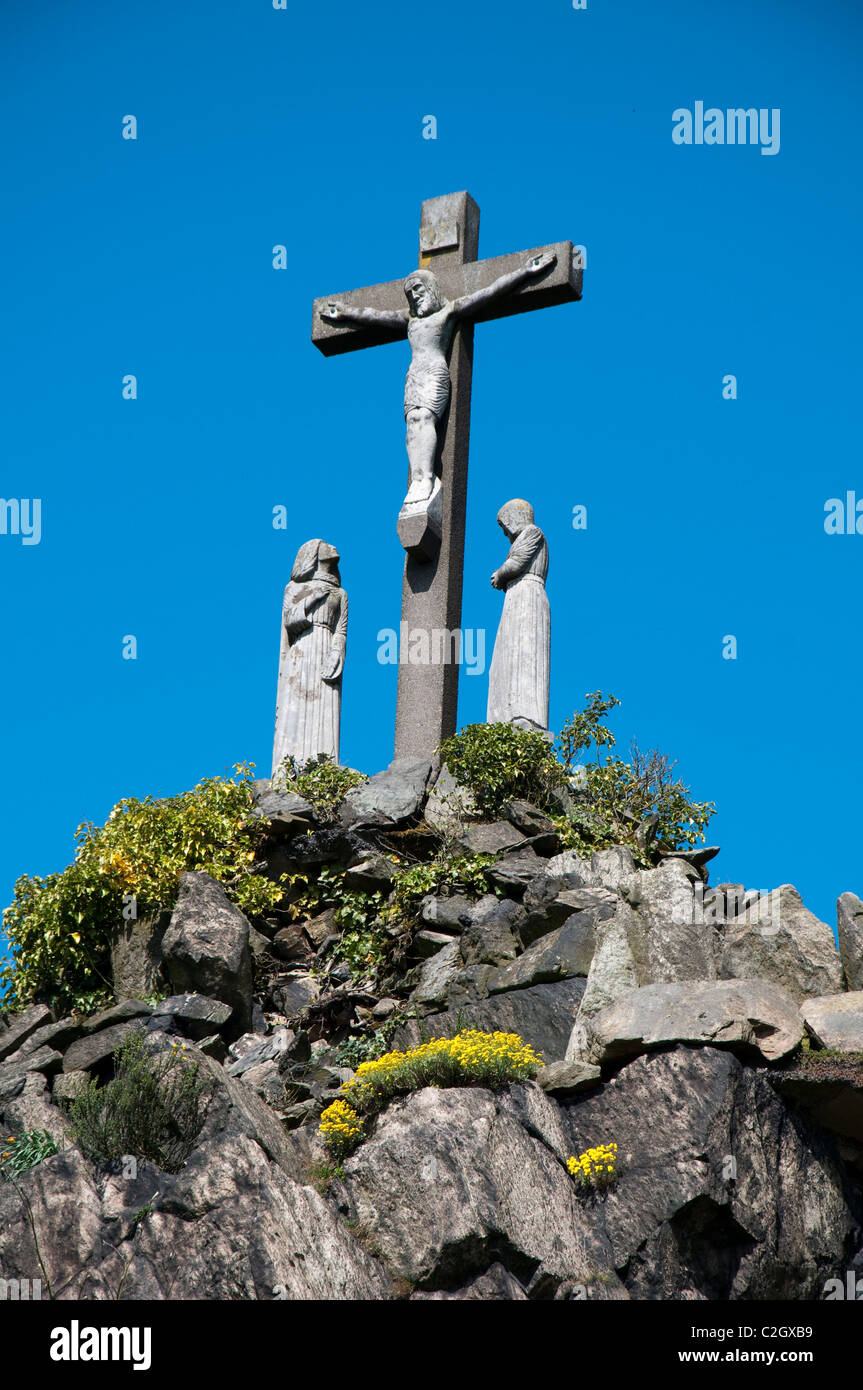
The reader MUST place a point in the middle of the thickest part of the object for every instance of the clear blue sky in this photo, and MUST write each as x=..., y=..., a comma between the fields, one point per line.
x=304, y=127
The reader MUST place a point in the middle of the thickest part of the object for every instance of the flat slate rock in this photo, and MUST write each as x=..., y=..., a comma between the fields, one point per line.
x=117, y=1013
x=199, y=1015
x=543, y=1016
x=20, y=1028
x=13, y=1074
x=517, y=870
x=293, y=993
x=88, y=1051
x=559, y=955
x=286, y=811
x=491, y=838
x=568, y=1078
x=743, y=1014
x=394, y=795
x=836, y=1020
x=528, y=818
x=58, y=1035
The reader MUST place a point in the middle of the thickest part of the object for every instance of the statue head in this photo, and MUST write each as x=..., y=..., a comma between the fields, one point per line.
x=316, y=559
x=514, y=516
x=422, y=292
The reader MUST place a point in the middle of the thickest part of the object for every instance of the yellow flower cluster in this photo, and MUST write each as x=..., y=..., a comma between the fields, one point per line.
x=341, y=1127
x=471, y=1052
x=470, y=1058
x=595, y=1167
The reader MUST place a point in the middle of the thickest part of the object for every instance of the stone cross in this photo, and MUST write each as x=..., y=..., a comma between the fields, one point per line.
x=432, y=585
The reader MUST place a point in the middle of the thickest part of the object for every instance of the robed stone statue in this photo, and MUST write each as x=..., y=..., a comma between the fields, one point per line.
x=518, y=678
x=312, y=658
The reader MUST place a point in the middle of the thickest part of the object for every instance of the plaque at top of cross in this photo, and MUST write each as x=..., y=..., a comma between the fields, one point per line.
x=435, y=308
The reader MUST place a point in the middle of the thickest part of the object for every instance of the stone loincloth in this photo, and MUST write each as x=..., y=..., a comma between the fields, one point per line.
x=428, y=387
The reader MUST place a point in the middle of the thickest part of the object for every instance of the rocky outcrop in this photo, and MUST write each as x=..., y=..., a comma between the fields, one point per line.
x=723, y=1194
x=237, y=1223
x=740, y=1152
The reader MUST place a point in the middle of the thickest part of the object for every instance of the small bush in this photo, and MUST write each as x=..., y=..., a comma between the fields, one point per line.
x=499, y=763
x=24, y=1151
x=320, y=781
x=154, y=1107
x=596, y=1169
x=471, y=1058
x=60, y=927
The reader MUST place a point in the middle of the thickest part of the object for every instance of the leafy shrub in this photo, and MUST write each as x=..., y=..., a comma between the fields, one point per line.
x=320, y=781
x=471, y=1058
x=585, y=728
x=595, y=1169
x=60, y=927
x=499, y=763
x=25, y=1150
x=621, y=793
x=609, y=800
x=154, y=1108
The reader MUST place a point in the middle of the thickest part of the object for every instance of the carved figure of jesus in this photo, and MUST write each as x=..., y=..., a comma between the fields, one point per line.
x=429, y=324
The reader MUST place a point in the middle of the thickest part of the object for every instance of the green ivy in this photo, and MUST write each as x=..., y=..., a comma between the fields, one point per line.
x=445, y=875
x=358, y=917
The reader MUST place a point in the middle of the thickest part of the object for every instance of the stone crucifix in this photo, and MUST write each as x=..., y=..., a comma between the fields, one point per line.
x=449, y=294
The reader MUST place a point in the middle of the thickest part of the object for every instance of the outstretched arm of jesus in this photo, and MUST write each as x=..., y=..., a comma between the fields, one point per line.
x=504, y=284
x=337, y=312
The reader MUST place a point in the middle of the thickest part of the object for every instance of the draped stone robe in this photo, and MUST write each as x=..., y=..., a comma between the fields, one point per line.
x=311, y=661
x=519, y=675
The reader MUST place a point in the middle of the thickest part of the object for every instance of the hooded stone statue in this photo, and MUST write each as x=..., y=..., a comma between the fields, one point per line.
x=312, y=658
x=519, y=674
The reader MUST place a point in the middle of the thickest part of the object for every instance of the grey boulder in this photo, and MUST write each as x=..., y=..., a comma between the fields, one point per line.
x=849, y=914
x=744, y=1014
x=836, y=1020
x=394, y=795
x=136, y=956
x=206, y=948
x=542, y=1015
x=557, y=956
x=778, y=939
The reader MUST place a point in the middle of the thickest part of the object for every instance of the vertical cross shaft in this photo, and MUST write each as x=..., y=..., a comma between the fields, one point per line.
x=432, y=589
